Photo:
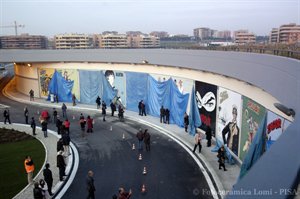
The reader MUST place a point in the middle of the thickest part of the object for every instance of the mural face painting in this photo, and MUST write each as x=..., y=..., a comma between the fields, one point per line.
x=253, y=114
x=228, y=119
x=206, y=100
x=45, y=76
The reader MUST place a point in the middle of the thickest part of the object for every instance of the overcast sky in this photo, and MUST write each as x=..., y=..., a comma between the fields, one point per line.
x=45, y=17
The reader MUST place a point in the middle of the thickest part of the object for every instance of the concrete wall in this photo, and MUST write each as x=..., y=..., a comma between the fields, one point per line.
x=26, y=78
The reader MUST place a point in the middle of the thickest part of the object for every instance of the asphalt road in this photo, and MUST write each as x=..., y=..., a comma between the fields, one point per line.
x=171, y=171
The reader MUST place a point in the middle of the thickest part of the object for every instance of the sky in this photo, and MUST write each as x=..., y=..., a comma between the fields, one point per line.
x=46, y=17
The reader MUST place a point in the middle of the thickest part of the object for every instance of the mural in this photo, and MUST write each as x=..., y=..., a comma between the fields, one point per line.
x=253, y=114
x=207, y=101
x=228, y=127
x=45, y=76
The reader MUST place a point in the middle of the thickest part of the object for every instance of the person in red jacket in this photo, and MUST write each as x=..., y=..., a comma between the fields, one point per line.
x=67, y=126
x=123, y=194
x=89, y=124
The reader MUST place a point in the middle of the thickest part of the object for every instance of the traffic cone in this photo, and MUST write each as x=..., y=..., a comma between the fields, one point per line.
x=140, y=156
x=133, y=147
x=143, y=189
x=144, y=172
x=123, y=136
x=73, y=117
x=110, y=128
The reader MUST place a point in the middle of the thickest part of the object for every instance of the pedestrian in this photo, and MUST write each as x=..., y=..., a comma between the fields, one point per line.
x=140, y=137
x=66, y=142
x=26, y=114
x=208, y=136
x=44, y=188
x=121, y=112
x=64, y=110
x=162, y=114
x=90, y=185
x=6, y=116
x=197, y=142
x=67, y=126
x=56, y=98
x=45, y=128
x=33, y=126
x=186, y=121
x=82, y=123
x=29, y=167
x=31, y=95
x=59, y=145
x=147, y=139
x=54, y=115
x=103, y=110
x=143, y=106
x=140, y=107
x=89, y=124
x=59, y=124
x=98, y=102
x=74, y=99
x=167, y=112
x=37, y=191
x=221, y=156
x=113, y=108
x=60, y=163
x=47, y=173
x=123, y=194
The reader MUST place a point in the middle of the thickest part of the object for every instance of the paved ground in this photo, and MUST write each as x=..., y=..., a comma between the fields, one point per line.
x=173, y=172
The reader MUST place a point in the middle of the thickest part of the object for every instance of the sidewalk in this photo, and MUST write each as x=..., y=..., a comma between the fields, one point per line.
x=224, y=181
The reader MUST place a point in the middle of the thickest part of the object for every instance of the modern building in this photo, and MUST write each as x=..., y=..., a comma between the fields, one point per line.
x=225, y=34
x=111, y=41
x=144, y=41
x=23, y=41
x=286, y=34
x=73, y=41
x=274, y=35
x=242, y=37
x=202, y=33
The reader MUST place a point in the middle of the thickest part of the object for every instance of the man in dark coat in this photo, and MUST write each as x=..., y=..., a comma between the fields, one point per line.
x=26, y=114
x=54, y=115
x=37, y=191
x=98, y=102
x=167, y=112
x=90, y=185
x=140, y=137
x=162, y=114
x=33, y=125
x=140, y=107
x=147, y=139
x=103, y=110
x=45, y=128
x=113, y=108
x=60, y=145
x=58, y=125
x=143, y=106
x=61, y=165
x=6, y=116
x=186, y=121
x=48, y=178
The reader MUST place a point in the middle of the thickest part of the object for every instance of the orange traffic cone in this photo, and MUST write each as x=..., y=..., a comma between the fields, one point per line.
x=123, y=136
x=133, y=147
x=140, y=156
x=144, y=172
x=143, y=188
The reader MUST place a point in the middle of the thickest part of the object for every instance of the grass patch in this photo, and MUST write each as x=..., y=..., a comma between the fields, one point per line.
x=12, y=172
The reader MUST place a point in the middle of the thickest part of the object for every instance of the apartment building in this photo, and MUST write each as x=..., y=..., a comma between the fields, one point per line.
x=242, y=37
x=73, y=41
x=274, y=35
x=23, y=41
x=111, y=40
x=202, y=33
x=144, y=41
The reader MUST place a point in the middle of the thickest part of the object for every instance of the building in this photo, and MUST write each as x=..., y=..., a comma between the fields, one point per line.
x=242, y=37
x=160, y=34
x=202, y=33
x=286, y=34
x=133, y=33
x=144, y=41
x=225, y=34
x=73, y=41
x=111, y=41
x=23, y=41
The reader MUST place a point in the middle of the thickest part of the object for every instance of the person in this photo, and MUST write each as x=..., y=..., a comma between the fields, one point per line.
x=162, y=114
x=140, y=107
x=186, y=121
x=44, y=188
x=208, y=136
x=82, y=123
x=64, y=110
x=140, y=137
x=67, y=126
x=33, y=126
x=54, y=115
x=123, y=194
x=221, y=156
x=59, y=124
x=147, y=139
x=90, y=185
x=74, y=99
x=29, y=167
x=103, y=110
x=44, y=128
x=6, y=116
x=143, y=106
x=167, y=112
x=31, y=95
x=60, y=163
x=89, y=124
x=56, y=98
x=197, y=142
x=66, y=142
x=45, y=115
x=113, y=108
x=121, y=112
x=26, y=114
x=59, y=145
x=110, y=76
x=37, y=191
x=47, y=173
x=98, y=102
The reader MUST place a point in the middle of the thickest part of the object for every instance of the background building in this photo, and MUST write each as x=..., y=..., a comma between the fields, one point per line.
x=286, y=34
x=73, y=41
x=111, y=41
x=23, y=41
x=244, y=37
x=144, y=41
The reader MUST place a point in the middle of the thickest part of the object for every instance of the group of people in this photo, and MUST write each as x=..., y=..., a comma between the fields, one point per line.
x=164, y=115
x=82, y=122
x=142, y=108
x=143, y=136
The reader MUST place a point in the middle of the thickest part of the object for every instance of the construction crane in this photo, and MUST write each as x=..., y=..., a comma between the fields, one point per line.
x=16, y=26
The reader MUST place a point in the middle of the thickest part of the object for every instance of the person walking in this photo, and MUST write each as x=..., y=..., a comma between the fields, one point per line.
x=90, y=185
x=67, y=125
x=167, y=112
x=6, y=116
x=103, y=110
x=64, y=110
x=186, y=121
x=31, y=95
x=47, y=173
x=74, y=99
x=221, y=156
x=197, y=142
x=208, y=136
x=162, y=114
x=29, y=167
x=82, y=123
x=147, y=139
x=26, y=114
x=140, y=137
x=37, y=191
x=89, y=124
x=54, y=115
x=66, y=142
x=59, y=124
x=98, y=102
x=44, y=128
x=60, y=163
x=113, y=108
x=33, y=126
